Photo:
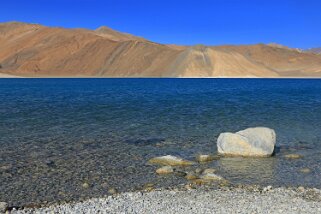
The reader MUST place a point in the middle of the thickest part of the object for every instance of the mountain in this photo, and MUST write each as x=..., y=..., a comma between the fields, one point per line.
x=39, y=51
x=315, y=50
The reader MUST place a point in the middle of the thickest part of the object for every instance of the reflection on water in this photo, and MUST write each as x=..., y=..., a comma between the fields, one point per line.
x=250, y=170
x=57, y=134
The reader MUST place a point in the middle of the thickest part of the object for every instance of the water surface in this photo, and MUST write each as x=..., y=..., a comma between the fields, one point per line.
x=57, y=134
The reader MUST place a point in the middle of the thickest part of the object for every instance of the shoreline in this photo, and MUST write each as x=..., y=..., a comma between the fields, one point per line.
x=5, y=75
x=200, y=200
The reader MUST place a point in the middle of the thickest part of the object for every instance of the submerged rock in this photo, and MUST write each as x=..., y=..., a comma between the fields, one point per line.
x=170, y=160
x=205, y=158
x=191, y=176
x=211, y=177
x=149, y=187
x=305, y=170
x=112, y=191
x=209, y=170
x=180, y=173
x=165, y=170
x=201, y=181
x=252, y=142
x=85, y=185
x=293, y=156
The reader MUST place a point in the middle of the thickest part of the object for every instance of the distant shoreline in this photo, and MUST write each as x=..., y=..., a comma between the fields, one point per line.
x=8, y=76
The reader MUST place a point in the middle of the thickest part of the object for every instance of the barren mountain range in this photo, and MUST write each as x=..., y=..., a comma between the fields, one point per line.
x=34, y=50
x=315, y=50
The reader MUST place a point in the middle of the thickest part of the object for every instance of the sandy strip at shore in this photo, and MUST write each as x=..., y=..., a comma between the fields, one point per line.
x=278, y=200
x=2, y=75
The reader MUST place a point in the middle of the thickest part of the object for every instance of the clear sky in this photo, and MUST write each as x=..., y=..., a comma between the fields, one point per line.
x=295, y=23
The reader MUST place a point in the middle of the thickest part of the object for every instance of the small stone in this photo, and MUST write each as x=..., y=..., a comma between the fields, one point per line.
x=191, y=176
x=211, y=177
x=301, y=188
x=50, y=163
x=180, y=173
x=149, y=187
x=200, y=181
x=268, y=188
x=3, y=207
x=104, y=185
x=209, y=170
x=170, y=160
x=5, y=167
x=305, y=170
x=293, y=156
x=165, y=170
x=189, y=186
x=205, y=158
x=224, y=183
x=198, y=171
x=112, y=191
x=158, y=144
x=85, y=185
x=61, y=193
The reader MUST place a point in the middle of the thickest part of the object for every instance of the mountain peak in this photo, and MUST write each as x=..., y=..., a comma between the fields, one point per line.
x=112, y=34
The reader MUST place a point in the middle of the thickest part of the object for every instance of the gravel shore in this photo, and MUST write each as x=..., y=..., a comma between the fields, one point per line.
x=279, y=200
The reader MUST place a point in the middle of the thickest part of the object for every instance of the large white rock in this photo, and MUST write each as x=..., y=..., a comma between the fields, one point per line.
x=252, y=142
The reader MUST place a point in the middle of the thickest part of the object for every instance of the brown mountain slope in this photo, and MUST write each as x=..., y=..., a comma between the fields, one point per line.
x=115, y=35
x=315, y=50
x=284, y=61
x=203, y=61
x=35, y=50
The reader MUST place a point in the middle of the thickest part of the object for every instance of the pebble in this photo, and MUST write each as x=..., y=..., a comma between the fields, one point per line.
x=200, y=181
x=85, y=185
x=191, y=176
x=170, y=160
x=3, y=207
x=5, y=167
x=268, y=188
x=301, y=188
x=293, y=156
x=180, y=173
x=209, y=170
x=211, y=177
x=305, y=170
x=165, y=170
x=198, y=170
x=112, y=191
x=205, y=158
x=281, y=201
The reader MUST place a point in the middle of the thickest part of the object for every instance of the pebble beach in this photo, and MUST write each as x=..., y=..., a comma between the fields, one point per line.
x=223, y=200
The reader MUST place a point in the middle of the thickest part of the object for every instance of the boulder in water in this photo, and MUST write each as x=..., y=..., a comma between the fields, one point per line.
x=252, y=142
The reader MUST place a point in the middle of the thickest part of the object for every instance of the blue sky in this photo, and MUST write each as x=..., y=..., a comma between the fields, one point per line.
x=295, y=23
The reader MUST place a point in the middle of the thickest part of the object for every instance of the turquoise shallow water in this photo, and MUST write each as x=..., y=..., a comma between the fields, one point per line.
x=56, y=134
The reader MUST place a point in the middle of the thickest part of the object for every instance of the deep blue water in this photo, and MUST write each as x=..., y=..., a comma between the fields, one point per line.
x=97, y=122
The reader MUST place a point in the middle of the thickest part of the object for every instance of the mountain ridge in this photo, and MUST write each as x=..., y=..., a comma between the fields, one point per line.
x=34, y=50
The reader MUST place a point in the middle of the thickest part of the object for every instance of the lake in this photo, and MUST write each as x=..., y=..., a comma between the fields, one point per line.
x=58, y=134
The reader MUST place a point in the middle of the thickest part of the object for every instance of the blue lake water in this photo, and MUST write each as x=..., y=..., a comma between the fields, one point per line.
x=56, y=134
